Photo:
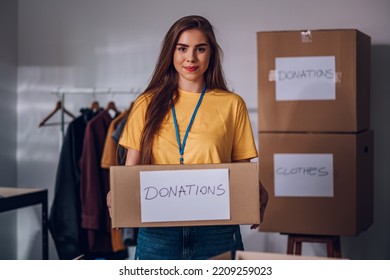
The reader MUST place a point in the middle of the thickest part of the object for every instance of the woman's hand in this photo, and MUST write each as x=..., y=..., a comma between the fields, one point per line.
x=108, y=202
x=263, y=204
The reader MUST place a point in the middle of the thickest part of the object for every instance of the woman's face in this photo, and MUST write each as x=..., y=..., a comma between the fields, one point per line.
x=191, y=59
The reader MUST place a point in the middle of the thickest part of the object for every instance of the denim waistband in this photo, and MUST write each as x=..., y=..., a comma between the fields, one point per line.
x=198, y=242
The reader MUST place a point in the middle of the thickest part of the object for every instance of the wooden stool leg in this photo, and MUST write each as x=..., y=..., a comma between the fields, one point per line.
x=290, y=245
x=329, y=248
x=298, y=248
x=333, y=247
x=337, y=247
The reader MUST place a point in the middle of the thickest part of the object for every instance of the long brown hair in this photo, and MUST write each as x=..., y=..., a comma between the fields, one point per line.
x=164, y=82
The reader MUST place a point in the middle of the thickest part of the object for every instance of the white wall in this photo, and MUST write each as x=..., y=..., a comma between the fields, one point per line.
x=98, y=43
x=8, y=116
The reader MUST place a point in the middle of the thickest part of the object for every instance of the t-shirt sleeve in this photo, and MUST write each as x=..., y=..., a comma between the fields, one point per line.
x=244, y=145
x=132, y=132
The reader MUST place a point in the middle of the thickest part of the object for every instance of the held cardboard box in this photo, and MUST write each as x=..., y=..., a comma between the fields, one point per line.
x=316, y=81
x=230, y=255
x=248, y=255
x=317, y=183
x=126, y=192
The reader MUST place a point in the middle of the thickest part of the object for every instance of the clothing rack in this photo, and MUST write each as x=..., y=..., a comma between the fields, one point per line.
x=63, y=92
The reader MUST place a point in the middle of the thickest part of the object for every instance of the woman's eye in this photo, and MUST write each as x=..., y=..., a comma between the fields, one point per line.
x=181, y=49
x=201, y=50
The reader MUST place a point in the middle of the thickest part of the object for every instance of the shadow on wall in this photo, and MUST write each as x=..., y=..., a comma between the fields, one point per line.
x=35, y=247
x=375, y=242
x=7, y=236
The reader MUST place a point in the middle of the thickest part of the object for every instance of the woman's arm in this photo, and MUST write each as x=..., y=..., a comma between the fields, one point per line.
x=263, y=203
x=132, y=157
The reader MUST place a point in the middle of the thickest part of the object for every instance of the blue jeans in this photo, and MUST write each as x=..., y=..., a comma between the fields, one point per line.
x=187, y=243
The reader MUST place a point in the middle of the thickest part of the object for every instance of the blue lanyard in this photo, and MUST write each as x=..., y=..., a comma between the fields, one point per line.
x=182, y=146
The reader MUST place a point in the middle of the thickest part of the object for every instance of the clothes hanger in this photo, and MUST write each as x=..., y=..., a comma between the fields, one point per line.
x=56, y=109
x=111, y=106
x=95, y=106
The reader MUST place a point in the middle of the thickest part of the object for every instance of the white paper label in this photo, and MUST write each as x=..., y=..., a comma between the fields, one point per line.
x=305, y=78
x=184, y=195
x=303, y=175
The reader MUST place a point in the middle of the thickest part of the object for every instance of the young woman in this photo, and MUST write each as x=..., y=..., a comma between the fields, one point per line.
x=187, y=115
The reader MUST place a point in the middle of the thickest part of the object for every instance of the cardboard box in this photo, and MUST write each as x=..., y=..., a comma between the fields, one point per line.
x=316, y=81
x=230, y=255
x=246, y=255
x=250, y=255
x=340, y=199
x=126, y=192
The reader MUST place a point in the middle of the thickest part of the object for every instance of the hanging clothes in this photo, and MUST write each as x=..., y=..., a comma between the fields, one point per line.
x=65, y=213
x=116, y=134
x=129, y=235
x=113, y=154
x=109, y=159
x=95, y=185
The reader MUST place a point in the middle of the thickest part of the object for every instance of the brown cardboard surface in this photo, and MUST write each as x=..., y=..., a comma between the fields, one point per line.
x=224, y=256
x=244, y=194
x=349, y=211
x=246, y=255
x=349, y=112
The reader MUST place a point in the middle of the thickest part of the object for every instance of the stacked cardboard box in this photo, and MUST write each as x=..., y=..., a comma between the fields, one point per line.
x=316, y=146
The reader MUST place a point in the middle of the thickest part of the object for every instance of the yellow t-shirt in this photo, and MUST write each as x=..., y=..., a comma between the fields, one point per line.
x=221, y=131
